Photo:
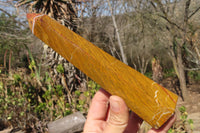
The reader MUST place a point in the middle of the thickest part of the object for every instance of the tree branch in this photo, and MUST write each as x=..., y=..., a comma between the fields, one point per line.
x=194, y=12
x=117, y=33
x=187, y=5
x=192, y=69
x=172, y=23
x=12, y=17
x=13, y=36
x=164, y=16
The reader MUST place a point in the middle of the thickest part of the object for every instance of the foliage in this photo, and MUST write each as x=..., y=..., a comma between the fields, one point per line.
x=148, y=74
x=13, y=37
x=169, y=73
x=25, y=100
x=16, y=102
x=60, y=68
x=194, y=75
x=85, y=97
x=185, y=125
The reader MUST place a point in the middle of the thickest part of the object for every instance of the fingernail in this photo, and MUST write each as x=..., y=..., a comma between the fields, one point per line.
x=115, y=106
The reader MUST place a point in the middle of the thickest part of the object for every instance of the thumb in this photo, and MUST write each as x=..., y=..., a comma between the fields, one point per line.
x=118, y=116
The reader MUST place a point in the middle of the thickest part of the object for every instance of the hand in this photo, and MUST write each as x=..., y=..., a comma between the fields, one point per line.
x=109, y=114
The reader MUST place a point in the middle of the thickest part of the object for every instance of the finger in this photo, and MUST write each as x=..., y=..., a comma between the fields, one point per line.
x=97, y=113
x=134, y=123
x=165, y=127
x=118, y=116
x=99, y=106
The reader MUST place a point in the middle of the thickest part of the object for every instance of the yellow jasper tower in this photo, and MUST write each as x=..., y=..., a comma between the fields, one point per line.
x=146, y=98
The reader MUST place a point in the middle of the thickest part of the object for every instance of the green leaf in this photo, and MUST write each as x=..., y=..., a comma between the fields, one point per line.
x=182, y=109
x=81, y=102
x=77, y=93
x=67, y=112
x=50, y=103
x=17, y=78
x=1, y=85
x=60, y=68
x=170, y=130
x=22, y=114
x=190, y=121
x=9, y=118
x=87, y=93
x=13, y=102
x=183, y=117
x=67, y=105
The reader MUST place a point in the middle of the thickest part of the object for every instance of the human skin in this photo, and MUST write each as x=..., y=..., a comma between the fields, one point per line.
x=110, y=114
